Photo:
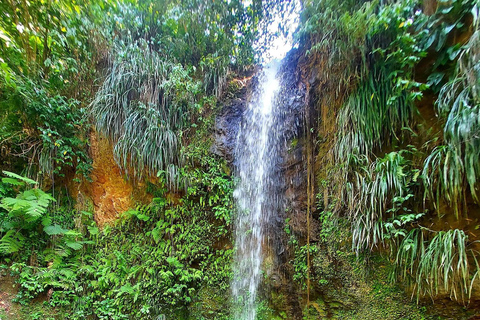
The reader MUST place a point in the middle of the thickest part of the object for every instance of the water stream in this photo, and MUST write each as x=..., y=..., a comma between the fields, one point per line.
x=255, y=194
x=259, y=195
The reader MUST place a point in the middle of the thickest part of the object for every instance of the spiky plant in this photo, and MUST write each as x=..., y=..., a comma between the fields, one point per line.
x=370, y=196
x=143, y=105
x=373, y=115
x=339, y=29
x=454, y=168
x=437, y=261
x=443, y=176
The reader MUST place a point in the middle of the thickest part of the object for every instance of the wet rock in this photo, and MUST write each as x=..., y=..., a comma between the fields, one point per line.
x=289, y=170
x=228, y=120
x=226, y=128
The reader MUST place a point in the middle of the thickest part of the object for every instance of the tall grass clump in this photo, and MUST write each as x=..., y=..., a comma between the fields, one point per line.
x=369, y=198
x=338, y=30
x=143, y=105
x=373, y=115
x=437, y=261
x=454, y=168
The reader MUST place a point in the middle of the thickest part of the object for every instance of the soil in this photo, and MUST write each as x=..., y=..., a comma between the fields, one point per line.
x=8, y=290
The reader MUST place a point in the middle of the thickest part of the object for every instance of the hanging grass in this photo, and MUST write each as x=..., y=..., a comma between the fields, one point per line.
x=143, y=105
x=455, y=167
x=370, y=196
x=381, y=194
x=373, y=115
x=436, y=262
x=216, y=70
x=443, y=176
x=338, y=29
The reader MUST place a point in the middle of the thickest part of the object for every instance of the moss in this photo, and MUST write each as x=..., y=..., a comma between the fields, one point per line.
x=294, y=143
x=211, y=304
x=265, y=312
x=359, y=288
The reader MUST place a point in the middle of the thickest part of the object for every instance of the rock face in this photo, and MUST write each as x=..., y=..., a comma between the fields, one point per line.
x=291, y=167
x=109, y=192
x=295, y=103
x=228, y=120
x=279, y=288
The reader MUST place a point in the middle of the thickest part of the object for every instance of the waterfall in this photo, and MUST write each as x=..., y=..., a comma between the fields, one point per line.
x=256, y=197
x=259, y=195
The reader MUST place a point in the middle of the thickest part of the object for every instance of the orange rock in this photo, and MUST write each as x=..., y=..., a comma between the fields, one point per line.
x=110, y=192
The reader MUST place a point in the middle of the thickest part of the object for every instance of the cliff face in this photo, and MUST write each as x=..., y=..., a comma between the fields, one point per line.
x=312, y=96
x=109, y=193
x=278, y=288
x=342, y=285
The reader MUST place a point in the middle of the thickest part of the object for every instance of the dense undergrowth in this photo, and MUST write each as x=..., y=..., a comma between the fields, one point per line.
x=147, y=75
x=403, y=169
x=155, y=257
x=399, y=193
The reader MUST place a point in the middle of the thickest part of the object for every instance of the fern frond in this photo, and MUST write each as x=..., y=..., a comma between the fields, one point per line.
x=11, y=242
x=18, y=178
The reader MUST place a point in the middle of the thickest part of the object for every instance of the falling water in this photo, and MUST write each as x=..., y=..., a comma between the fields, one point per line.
x=255, y=195
x=259, y=197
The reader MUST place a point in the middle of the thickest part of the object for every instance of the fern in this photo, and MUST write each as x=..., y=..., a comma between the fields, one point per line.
x=26, y=212
x=16, y=179
x=11, y=242
x=29, y=205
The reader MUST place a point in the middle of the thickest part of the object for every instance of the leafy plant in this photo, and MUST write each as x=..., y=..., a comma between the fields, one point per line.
x=374, y=194
x=453, y=167
x=438, y=261
x=28, y=212
x=143, y=105
x=23, y=213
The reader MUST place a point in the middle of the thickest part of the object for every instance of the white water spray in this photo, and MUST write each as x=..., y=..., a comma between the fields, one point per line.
x=255, y=200
x=257, y=155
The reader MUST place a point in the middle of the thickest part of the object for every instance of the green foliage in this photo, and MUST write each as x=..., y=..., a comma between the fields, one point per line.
x=154, y=261
x=143, y=105
x=44, y=65
x=449, y=20
x=299, y=261
x=376, y=194
x=373, y=115
x=454, y=167
x=167, y=60
x=381, y=44
x=21, y=213
x=164, y=65
x=34, y=236
x=158, y=271
x=438, y=263
x=26, y=216
x=382, y=104
x=43, y=39
x=338, y=28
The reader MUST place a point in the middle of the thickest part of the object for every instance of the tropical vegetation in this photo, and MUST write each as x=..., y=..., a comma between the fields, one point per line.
x=393, y=88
